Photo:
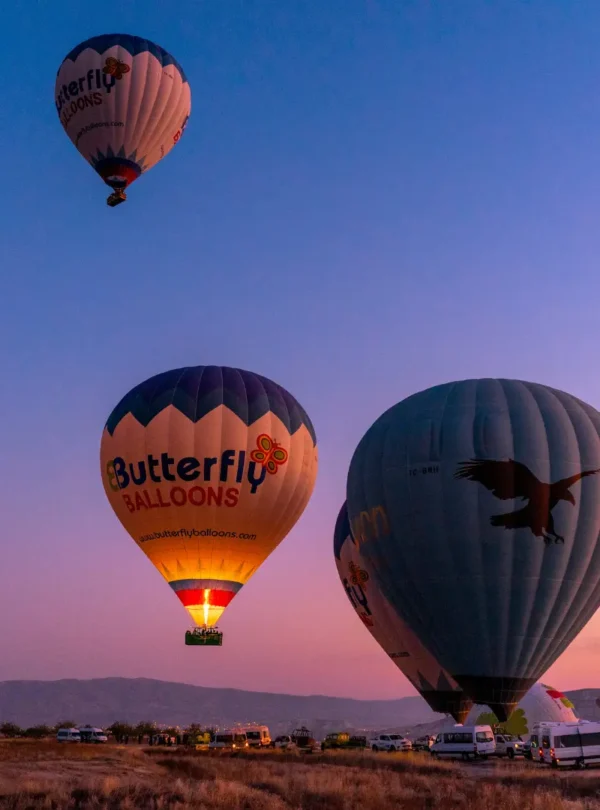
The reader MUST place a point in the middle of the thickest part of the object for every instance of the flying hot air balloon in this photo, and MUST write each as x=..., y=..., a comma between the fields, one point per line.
x=477, y=506
x=124, y=102
x=208, y=468
x=439, y=690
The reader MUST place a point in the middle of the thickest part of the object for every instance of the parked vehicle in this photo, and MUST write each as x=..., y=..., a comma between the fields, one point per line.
x=68, y=735
x=229, y=740
x=358, y=741
x=258, y=736
x=304, y=740
x=465, y=742
x=283, y=741
x=89, y=734
x=571, y=744
x=507, y=745
x=423, y=743
x=390, y=742
x=535, y=740
x=337, y=739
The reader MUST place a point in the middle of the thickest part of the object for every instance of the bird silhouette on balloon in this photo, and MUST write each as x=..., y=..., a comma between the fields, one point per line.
x=511, y=479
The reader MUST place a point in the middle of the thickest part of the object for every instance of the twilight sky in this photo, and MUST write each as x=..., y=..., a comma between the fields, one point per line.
x=371, y=197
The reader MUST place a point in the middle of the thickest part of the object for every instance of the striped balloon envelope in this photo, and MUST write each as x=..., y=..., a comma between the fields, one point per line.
x=434, y=684
x=208, y=468
x=124, y=102
x=477, y=503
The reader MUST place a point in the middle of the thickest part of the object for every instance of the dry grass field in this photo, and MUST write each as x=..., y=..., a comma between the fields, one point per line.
x=37, y=775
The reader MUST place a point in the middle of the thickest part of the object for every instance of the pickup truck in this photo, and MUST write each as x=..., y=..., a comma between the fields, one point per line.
x=390, y=742
x=507, y=745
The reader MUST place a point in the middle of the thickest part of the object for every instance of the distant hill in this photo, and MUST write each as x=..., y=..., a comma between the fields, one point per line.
x=102, y=701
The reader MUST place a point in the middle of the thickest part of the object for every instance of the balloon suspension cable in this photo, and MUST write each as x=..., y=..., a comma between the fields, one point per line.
x=116, y=198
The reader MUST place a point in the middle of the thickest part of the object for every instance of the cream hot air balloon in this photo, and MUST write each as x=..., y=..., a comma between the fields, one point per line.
x=124, y=102
x=542, y=704
x=208, y=469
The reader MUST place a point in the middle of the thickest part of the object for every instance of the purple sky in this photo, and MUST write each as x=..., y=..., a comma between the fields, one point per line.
x=371, y=197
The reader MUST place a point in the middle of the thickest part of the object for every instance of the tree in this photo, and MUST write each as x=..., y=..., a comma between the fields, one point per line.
x=38, y=732
x=11, y=730
x=65, y=724
x=145, y=728
x=120, y=730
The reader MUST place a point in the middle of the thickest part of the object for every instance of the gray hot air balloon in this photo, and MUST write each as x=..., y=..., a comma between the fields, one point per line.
x=437, y=687
x=477, y=506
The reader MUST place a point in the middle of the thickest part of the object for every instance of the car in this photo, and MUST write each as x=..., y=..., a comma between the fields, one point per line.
x=574, y=744
x=337, y=739
x=258, y=736
x=358, y=741
x=284, y=741
x=540, y=730
x=423, y=743
x=507, y=745
x=304, y=740
x=390, y=742
x=229, y=740
x=68, y=735
x=89, y=734
x=465, y=742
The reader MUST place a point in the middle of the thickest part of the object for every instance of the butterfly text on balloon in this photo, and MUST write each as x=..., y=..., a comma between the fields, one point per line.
x=121, y=474
x=85, y=91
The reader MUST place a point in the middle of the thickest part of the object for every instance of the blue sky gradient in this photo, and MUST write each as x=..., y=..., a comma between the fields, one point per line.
x=371, y=197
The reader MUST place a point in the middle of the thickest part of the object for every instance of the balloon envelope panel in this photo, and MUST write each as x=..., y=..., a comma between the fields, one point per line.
x=477, y=505
x=437, y=687
x=124, y=103
x=208, y=469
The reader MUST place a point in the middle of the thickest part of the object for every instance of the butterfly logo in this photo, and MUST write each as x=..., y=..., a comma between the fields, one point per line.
x=358, y=576
x=114, y=67
x=268, y=453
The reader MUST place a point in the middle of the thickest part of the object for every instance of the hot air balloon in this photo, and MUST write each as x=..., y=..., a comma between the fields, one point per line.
x=124, y=102
x=477, y=506
x=439, y=690
x=542, y=704
x=208, y=468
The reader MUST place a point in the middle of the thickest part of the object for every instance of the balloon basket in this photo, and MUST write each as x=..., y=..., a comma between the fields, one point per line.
x=204, y=637
x=116, y=198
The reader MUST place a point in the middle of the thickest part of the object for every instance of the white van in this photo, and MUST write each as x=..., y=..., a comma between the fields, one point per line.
x=89, y=734
x=229, y=739
x=465, y=742
x=535, y=739
x=258, y=736
x=70, y=735
x=571, y=744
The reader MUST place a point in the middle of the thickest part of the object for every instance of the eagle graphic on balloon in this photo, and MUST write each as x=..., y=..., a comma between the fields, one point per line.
x=511, y=479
